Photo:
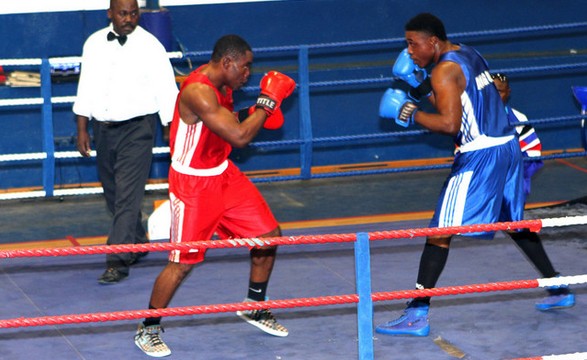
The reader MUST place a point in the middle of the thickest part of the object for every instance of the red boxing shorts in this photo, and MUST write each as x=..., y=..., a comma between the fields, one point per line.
x=228, y=204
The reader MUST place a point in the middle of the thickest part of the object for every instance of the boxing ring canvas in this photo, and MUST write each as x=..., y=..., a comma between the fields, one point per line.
x=501, y=325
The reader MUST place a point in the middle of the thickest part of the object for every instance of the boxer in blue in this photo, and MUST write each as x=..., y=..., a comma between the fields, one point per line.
x=486, y=180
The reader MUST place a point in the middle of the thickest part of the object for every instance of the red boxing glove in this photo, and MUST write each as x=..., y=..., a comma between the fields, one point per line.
x=275, y=87
x=272, y=122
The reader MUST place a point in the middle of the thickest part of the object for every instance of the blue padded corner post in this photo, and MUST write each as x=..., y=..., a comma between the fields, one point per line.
x=157, y=21
x=580, y=93
x=365, y=307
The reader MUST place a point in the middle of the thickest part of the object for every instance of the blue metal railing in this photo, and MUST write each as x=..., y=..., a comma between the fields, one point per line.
x=305, y=118
x=306, y=142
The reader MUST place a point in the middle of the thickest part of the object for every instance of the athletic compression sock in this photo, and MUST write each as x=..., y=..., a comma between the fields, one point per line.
x=257, y=290
x=531, y=245
x=152, y=320
x=432, y=263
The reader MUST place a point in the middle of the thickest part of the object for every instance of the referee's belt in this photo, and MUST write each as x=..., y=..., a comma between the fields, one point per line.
x=123, y=122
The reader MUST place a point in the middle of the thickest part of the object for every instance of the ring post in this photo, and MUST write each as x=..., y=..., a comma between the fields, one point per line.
x=365, y=307
x=157, y=21
x=580, y=93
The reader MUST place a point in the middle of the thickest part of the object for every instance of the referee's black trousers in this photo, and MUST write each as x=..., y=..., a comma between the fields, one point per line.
x=124, y=155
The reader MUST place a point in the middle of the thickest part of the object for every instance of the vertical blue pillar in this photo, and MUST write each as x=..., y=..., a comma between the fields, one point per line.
x=305, y=119
x=48, y=140
x=365, y=307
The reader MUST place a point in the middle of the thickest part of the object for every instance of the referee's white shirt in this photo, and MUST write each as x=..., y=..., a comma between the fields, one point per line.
x=118, y=83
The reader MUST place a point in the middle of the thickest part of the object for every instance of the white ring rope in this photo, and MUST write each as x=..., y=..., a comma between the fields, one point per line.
x=70, y=192
x=553, y=222
x=71, y=154
x=64, y=60
x=64, y=155
x=575, y=356
x=22, y=157
x=67, y=192
x=78, y=191
x=20, y=62
x=161, y=150
x=562, y=280
x=23, y=195
x=36, y=101
x=153, y=187
x=63, y=99
x=21, y=102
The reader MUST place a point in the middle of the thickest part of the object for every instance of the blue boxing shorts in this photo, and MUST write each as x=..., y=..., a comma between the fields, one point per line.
x=485, y=186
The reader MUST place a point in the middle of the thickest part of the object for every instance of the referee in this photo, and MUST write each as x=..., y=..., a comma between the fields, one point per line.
x=126, y=86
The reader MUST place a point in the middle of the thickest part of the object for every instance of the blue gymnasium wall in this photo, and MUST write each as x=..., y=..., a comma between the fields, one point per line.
x=335, y=111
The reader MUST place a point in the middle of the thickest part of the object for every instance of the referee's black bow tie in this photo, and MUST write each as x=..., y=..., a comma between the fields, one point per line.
x=121, y=39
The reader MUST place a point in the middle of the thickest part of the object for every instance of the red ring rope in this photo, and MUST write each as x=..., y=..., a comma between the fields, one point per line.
x=533, y=225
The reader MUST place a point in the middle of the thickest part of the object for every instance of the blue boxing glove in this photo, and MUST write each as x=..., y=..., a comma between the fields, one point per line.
x=405, y=69
x=396, y=105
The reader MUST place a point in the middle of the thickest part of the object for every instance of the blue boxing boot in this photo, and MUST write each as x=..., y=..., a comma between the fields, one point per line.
x=559, y=297
x=413, y=322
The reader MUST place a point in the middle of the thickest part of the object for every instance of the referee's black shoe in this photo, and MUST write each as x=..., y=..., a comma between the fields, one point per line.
x=112, y=276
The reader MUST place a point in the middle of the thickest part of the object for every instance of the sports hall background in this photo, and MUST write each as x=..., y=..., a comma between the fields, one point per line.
x=483, y=326
x=335, y=110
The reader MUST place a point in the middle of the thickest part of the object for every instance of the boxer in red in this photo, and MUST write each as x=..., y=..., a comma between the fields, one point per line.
x=208, y=193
